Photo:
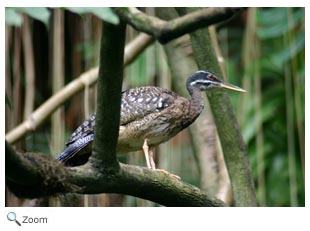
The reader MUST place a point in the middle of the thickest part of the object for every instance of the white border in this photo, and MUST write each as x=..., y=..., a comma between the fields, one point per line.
x=156, y=218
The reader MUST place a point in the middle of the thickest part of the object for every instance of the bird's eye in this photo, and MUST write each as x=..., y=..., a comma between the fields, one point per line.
x=211, y=77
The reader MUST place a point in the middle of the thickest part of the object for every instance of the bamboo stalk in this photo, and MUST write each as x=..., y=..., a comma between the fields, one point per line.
x=8, y=75
x=290, y=131
x=57, y=126
x=57, y=121
x=290, y=139
x=258, y=115
x=297, y=93
x=16, y=114
x=29, y=68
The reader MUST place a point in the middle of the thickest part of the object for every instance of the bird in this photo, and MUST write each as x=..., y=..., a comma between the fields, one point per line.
x=149, y=116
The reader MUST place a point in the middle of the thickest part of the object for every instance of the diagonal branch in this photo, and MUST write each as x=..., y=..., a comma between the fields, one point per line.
x=165, y=31
x=88, y=78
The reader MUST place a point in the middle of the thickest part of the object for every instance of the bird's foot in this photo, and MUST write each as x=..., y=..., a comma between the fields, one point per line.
x=168, y=173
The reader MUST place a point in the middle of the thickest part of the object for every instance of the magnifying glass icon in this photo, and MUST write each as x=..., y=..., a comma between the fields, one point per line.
x=12, y=217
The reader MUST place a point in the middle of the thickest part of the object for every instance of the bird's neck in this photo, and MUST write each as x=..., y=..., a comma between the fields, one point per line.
x=196, y=101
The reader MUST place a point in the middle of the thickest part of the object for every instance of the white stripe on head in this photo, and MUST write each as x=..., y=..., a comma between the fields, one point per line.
x=201, y=72
x=205, y=72
x=202, y=81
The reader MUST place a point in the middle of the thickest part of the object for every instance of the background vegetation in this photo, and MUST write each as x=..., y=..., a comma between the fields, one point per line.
x=261, y=50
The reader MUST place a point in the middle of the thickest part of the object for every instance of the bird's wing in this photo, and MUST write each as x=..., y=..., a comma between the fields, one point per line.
x=136, y=103
x=75, y=147
x=85, y=129
x=141, y=101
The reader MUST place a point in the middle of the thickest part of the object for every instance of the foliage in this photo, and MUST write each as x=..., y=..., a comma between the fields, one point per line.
x=276, y=64
x=13, y=15
x=104, y=13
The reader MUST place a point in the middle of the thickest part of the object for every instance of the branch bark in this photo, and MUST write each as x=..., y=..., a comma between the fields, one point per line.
x=109, y=96
x=36, y=175
x=165, y=31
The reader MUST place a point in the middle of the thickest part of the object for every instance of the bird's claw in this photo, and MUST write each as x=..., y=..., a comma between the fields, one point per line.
x=168, y=173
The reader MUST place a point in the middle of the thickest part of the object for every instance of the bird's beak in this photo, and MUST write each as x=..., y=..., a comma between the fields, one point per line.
x=231, y=87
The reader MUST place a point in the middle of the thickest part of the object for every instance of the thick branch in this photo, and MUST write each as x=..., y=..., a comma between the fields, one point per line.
x=86, y=79
x=36, y=175
x=147, y=184
x=32, y=175
x=109, y=96
x=17, y=168
x=165, y=31
x=233, y=146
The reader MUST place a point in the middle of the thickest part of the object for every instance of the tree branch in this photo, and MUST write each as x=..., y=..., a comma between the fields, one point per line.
x=150, y=185
x=233, y=146
x=13, y=162
x=109, y=96
x=165, y=31
x=33, y=175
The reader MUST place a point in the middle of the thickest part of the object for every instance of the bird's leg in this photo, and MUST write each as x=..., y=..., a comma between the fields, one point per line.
x=146, y=154
x=150, y=161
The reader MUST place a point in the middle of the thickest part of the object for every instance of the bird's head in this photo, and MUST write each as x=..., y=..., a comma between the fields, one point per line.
x=205, y=80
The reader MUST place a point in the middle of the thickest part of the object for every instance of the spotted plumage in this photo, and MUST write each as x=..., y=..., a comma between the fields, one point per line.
x=149, y=116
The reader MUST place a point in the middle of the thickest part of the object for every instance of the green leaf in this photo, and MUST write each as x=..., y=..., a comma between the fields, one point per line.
x=290, y=50
x=12, y=17
x=104, y=13
x=277, y=58
x=39, y=13
x=274, y=22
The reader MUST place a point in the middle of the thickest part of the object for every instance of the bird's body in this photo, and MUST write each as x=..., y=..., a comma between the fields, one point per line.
x=142, y=111
x=149, y=116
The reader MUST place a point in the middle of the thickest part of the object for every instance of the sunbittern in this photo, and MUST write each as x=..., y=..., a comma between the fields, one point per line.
x=149, y=116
